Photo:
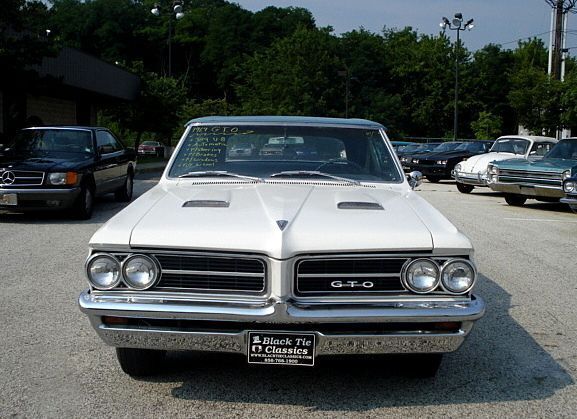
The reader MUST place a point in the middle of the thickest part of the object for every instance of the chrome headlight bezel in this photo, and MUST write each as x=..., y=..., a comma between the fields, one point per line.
x=570, y=186
x=458, y=167
x=566, y=174
x=409, y=286
x=91, y=260
x=442, y=162
x=446, y=265
x=492, y=170
x=125, y=277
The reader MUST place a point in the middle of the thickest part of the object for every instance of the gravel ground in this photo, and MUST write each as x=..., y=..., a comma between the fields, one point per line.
x=520, y=360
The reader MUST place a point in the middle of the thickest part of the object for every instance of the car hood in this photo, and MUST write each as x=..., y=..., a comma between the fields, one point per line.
x=253, y=221
x=446, y=155
x=45, y=164
x=543, y=165
x=478, y=163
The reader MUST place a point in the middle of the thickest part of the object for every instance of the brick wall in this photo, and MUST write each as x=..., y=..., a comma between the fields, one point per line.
x=51, y=111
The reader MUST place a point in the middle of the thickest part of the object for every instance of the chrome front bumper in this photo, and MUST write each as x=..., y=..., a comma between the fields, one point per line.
x=222, y=327
x=528, y=189
x=571, y=200
x=475, y=179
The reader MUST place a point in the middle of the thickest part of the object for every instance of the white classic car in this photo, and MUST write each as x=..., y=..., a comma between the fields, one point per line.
x=282, y=260
x=473, y=172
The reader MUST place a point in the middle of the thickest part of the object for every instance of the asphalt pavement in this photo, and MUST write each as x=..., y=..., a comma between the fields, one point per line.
x=520, y=360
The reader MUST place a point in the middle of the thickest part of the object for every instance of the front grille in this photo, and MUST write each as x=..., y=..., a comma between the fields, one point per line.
x=349, y=276
x=21, y=178
x=524, y=176
x=200, y=273
x=427, y=162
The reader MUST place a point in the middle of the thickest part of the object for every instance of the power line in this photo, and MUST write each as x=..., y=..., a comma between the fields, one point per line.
x=529, y=37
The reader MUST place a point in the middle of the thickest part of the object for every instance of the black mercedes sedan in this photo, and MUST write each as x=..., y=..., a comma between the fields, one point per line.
x=439, y=163
x=64, y=168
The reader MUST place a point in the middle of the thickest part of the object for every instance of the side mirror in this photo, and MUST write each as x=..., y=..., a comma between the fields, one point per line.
x=415, y=179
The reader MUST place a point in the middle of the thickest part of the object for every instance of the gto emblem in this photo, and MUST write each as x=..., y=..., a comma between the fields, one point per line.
x=8, y=178
x=352, y=284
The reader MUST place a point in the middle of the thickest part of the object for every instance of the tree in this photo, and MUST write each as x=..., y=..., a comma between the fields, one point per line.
x=297, y=75
x=487, y=126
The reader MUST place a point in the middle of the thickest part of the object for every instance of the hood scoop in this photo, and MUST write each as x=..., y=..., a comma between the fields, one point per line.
x=353, y=205
x=206, y=203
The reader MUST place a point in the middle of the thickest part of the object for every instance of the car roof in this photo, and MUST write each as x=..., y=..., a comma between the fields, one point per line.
x=66, y=127
x=285, y=120
x=530, y=137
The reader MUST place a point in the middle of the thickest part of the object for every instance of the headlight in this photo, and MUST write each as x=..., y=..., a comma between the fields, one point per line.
x=416, y=161
x=458, y=276
x=570, y=186
x=68, y=178
x=458, y=167
x=103, y=271
x=566, y=174
x=493, y=170
x=421, y=276
x=140, y=272
x=442, y=162
x=403, y=159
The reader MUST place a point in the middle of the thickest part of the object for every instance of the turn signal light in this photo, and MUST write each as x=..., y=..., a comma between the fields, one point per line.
x=71, y=178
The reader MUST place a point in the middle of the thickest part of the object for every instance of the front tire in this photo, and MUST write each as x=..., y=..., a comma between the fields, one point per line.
x=464, y=188
x=124, y=194
x=84, y=205
x=515, y=200
x=139, y=362
x=424, y=365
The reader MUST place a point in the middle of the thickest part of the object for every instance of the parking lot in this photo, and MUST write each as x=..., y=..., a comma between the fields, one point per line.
x=520, y=360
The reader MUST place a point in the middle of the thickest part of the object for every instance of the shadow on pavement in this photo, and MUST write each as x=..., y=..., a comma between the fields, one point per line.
x=499, y=362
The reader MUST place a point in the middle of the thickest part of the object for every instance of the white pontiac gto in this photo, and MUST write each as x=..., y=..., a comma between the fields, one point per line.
x=321, y=248
x=472, y=172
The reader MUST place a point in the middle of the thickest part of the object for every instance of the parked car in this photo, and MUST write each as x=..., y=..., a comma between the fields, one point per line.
x=400, y=145
x=241, y=150
x=281, y=260
x=543, y=179
x=439, y=163
x=64, y=168
x=570, y=189
x=408, y=153
x=151, y=148
x=472, y=172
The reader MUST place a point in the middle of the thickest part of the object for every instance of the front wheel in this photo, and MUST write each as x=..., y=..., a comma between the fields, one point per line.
x=84, y=204
x=515, y=200
x=464, y=188
x=139, y=362
x=424, y=365
x=124, y=194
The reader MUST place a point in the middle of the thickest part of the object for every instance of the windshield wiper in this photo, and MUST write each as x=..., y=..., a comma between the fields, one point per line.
x=313, y=173
x=217, y=173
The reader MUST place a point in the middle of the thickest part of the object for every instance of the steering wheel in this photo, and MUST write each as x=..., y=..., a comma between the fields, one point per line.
x=341, y=161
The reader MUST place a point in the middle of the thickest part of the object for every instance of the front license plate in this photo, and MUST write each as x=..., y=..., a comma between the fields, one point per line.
x=281, y=348
x=8, y=199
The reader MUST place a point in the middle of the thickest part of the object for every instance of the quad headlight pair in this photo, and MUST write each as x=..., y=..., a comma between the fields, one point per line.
x=137, y=272
x=455, y=276
x=570, y=186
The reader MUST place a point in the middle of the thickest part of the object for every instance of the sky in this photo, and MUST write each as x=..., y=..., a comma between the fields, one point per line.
x=496, y=21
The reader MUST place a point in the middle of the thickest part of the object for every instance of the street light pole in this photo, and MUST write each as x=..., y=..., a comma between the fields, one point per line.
x=456, y=25
x=176, y=13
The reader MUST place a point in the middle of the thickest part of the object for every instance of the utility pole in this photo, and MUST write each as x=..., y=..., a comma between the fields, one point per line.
x=558, y=34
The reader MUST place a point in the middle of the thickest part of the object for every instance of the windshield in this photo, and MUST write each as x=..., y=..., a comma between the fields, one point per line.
x=262, y=151
x=51, y=142
x=473, y=147
x=446, y=147
x=510, y=145
x=565, y=149
x=151, y=143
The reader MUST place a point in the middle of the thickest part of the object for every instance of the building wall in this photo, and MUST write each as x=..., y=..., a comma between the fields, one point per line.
x=51, y=111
